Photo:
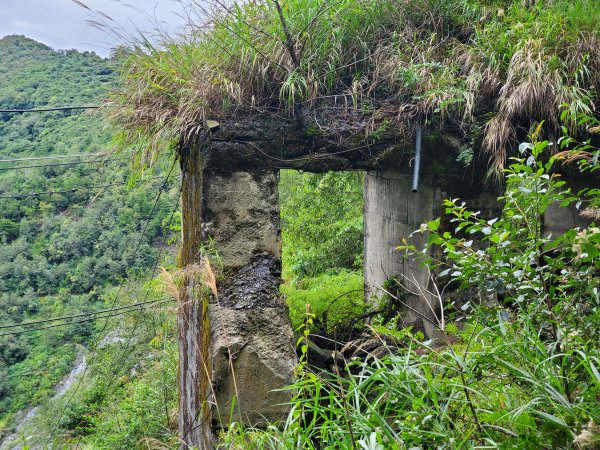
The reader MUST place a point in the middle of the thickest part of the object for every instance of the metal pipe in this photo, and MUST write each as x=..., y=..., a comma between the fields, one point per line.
x=415, y=183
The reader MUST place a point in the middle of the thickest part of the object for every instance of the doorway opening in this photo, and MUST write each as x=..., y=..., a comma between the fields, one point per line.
x=322, y=235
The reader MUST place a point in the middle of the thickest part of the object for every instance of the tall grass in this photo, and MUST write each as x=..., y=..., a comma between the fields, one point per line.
x=459, y=60
x=500, y=386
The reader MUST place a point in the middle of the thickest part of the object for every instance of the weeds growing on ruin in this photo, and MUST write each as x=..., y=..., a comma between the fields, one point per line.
x=475, y=65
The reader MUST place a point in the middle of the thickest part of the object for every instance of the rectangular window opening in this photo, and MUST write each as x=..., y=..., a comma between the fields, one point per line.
x=323, y=243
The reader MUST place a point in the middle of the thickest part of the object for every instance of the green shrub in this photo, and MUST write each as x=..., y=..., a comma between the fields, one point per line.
x=333, y=298
x=142, y=411
x=321, y=221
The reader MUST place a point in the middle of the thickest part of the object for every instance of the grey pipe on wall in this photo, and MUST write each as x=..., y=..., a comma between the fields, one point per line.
x=417, y=168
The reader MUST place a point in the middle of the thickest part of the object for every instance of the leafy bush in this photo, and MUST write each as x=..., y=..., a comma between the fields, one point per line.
x=321, y=221
x=128, y=395
x=551, y=280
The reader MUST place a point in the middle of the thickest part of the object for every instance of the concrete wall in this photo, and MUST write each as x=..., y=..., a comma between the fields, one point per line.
x=558, y=219
x=252, y=343
x=241, y=215
x=393, y=212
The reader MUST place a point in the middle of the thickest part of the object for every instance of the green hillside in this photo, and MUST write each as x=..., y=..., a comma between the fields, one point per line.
x=65, y=248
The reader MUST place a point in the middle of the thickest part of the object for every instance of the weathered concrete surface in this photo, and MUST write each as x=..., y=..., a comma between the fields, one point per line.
x=254, y=286
x=251, y=341
x=558, y=219
x=252, y=346
x=253, y=354
x=241, y=215
x=273, y=142
x=193, y=327
x=393, y=212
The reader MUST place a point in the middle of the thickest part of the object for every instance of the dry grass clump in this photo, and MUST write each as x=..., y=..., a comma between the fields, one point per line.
x=171, y=283
x=542, y=58
x=462, y=61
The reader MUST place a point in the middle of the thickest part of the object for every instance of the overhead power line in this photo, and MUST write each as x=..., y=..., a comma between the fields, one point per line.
x=37, y=158
x=88, y=319
x=74, y=163
x=65, y=191
x=74, y=316
x=59, y=108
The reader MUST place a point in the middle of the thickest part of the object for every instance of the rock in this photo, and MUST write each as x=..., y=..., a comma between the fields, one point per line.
x=255, y=285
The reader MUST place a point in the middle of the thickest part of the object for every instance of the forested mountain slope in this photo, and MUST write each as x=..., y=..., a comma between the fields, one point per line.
x=65, y=252
x=70, y=227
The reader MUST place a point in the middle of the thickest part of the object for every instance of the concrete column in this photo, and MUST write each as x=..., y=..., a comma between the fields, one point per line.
x=251, y=337
x=393, y=212
x=558, y=219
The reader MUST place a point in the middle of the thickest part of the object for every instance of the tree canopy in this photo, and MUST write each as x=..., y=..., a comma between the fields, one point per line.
x=69, y=227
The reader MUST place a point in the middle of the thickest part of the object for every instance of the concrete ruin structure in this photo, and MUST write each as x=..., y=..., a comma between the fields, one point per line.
x=237, y=214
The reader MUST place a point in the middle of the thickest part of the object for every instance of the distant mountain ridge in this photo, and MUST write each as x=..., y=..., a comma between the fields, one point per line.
x=63, y=75
x=33, y=75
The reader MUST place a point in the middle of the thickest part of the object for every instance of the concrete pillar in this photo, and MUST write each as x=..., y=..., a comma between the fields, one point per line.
x=251, y=337
x=393, y=212
x=558, y=219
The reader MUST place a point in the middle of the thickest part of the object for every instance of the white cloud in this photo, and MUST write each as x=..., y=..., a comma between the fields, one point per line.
x=62, y=24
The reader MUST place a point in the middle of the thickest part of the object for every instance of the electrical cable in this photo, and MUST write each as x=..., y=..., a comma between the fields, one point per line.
x=74, y=316
x=64, y=191
x=37, y=158
x=58, y=108
x=105, y=316
x=63, y=164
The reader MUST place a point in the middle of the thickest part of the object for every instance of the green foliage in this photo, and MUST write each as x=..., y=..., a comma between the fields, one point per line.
x=552, y=280
x=36, y=76
x=321, y=221
x=128, y=397
x=322, y=232
x=60, y=253
x=495, y=389
x=333, y=298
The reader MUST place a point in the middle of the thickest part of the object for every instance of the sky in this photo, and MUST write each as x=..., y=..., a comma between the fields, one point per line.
x=61, y=24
